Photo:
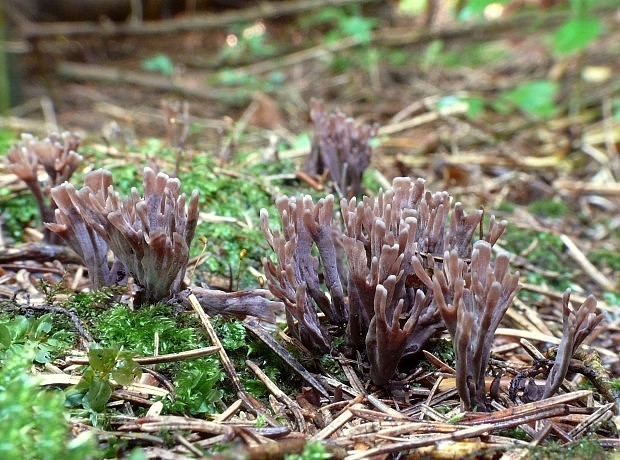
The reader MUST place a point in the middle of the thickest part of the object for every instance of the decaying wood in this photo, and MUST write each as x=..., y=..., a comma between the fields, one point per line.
x=107, y=74
x=195, y=22
x=39, y=252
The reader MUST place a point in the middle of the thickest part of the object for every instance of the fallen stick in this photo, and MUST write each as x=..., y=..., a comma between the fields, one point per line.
x=169, y=358
x=194, y=22
x=594, y=273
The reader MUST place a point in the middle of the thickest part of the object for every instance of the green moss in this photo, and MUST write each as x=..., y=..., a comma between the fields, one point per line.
x=7, y=138
x=547, y=255
x=241, y=346
x=199, y=387
x=517, y=433
x=606, y=258
x=18, y=212
x=506, y=207
x=587, y=448
x=135, y=330
x=313, y=450
x=611, y=298
x=370, y=183
x=466, y=55
x=40, y=335
x=549, y=208
x=444, y=350
x=90, y=304
x=235, y=202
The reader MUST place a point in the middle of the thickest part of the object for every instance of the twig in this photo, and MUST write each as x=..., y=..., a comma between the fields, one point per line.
x=169, y=358
x=575, y=298
x=315, y=52
x=188, y=445
x=532, y=335
x=337, y=423
x=67, y=379
x=526, y=313
x=253, y=326
x=39, y=252
x=430, y=396
x=587, y=266
x=279, y=394
x=438, y=363
x=249, y=401
x=525, y=413
x=229, y=412
x=600, y=415
x=194, y=22
x=585, y=188
x=531, y=350
x=421, y=442
x=63, y=311
x=90, y=72
x=171, y=422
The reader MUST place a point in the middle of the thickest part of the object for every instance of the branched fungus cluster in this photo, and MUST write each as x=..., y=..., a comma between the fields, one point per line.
x=394, y=271
x=340, y=147
x=400, y=268
x=56, y=155
x=472, y=298
x=150, y=235
x=577, y=326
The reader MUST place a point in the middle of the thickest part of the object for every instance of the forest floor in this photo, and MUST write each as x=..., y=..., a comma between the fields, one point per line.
x=484, y=109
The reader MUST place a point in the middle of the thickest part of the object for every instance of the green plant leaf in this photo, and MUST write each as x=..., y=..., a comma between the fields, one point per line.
x=472, y=106
x=98, y=394
x=302, y=141
x=87, y=377
x=5, y=337
x=126, y=371
x=330, y=13
x=575, y=35
x=34, y=424
x=615, y=108
x=43, y=326
x=535, y=98
x=475, y=106
x=19, y=326
x=102, y=360
x=412, y=7
x=475, y=8
x=358, y=26
x=313, y=450
x=432, y=53
x=159, y=63
x=42, y=354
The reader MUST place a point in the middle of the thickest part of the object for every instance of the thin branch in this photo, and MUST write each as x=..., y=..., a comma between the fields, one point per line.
x=77, y=323
x=148, y=360
x=194, y=22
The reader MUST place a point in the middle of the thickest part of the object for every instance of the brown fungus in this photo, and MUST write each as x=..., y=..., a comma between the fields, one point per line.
x=472, y=300
x=341, y=147
x=150, y=235
x=57, y=155
x=84, y=239
x=577, y=326
x=373, y=273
